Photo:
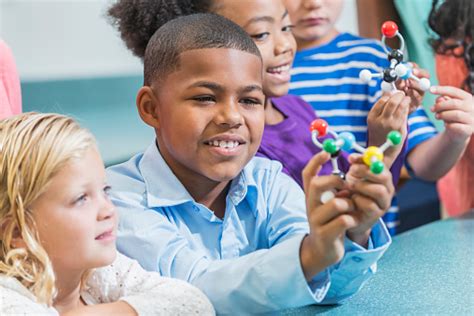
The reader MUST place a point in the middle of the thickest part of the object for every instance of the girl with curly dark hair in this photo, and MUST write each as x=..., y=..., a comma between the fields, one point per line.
x=287, y=117
x=453, y=22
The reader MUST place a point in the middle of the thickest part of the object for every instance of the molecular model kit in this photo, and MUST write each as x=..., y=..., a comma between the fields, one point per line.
x=372, y=155
x=397, y=69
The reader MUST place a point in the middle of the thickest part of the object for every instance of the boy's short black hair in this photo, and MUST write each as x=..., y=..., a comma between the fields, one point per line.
x=196, y=31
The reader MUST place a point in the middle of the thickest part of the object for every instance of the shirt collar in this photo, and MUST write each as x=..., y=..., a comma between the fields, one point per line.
x=162, y=186
x=163, y=189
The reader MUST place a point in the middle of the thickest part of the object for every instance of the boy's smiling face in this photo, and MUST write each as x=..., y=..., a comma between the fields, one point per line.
x=210, y=114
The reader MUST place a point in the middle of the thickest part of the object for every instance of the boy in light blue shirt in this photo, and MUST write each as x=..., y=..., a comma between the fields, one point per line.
x=197, y=205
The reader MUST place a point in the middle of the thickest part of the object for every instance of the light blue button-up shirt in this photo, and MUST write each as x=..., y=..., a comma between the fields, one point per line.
x=247, y=262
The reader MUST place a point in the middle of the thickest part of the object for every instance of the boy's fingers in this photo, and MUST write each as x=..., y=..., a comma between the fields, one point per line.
x=319, y=185
x=355, y=158
x=368, y=207
x=455, y=116
x=332, y=209
x=378, y=107
x=392, y=104
x=378, y=193
x=338, y=226
x=450, y=92
x=441, y=98
x=313, y=167
x=402, y=110
x=416, y=92
x=450, y=104
x=414, y=85
x=421, y=73
x=362, y=171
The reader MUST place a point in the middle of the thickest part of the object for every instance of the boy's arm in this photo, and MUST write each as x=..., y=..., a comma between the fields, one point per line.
x=257, y=282
x=264, y=280
x=371, y=195
x=434, y=157
x=358, y=263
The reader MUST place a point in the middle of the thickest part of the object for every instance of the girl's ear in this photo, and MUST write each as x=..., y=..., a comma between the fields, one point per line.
x=147, y=105
x=16, y=240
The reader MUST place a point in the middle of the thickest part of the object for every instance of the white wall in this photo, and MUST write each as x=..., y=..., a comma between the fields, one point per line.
x=348, y=20
x=58, y=39
x=64, y=39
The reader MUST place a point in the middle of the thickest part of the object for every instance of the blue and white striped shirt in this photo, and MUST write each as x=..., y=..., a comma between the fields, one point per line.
x=327, y=77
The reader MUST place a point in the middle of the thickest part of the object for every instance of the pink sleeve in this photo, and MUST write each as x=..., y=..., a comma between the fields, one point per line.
x=10, y=92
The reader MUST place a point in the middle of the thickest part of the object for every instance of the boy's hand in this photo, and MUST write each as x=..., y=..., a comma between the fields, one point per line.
x=389, y=113
x=328, y=222
x=412, y=87
x=456, y=108
x=371, y=195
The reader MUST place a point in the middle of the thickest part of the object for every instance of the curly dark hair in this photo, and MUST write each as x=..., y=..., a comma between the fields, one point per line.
x=137, y=20
x=453, y=22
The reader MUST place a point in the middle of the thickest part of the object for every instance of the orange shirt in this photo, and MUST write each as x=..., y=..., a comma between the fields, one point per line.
x=10, y=92
x=456, y=187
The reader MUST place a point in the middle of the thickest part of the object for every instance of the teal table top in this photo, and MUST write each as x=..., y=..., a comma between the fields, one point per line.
x=428, y=270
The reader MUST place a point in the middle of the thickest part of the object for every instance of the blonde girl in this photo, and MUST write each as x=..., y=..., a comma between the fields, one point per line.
x=58, y=230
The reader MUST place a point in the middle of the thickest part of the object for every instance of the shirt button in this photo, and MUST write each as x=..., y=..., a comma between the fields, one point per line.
x=195, y=208
x=357, y=259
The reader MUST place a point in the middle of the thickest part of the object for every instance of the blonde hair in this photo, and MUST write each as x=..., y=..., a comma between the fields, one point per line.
x=33, y=148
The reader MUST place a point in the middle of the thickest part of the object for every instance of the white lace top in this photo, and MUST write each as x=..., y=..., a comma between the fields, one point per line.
x=147, y=292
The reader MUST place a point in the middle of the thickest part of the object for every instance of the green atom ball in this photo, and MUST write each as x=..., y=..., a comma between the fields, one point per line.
x=329, y=145
x=376, y=167
x=394, y=137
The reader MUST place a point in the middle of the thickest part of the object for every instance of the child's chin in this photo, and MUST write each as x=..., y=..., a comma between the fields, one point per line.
x=224, y=176
x=107, y=257
x=278, y=91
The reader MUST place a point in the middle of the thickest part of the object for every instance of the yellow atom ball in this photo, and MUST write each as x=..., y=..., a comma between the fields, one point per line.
x=372, y=154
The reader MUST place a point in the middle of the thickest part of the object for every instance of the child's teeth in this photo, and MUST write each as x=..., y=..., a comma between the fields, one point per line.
x=280, y=68
x=224, y=144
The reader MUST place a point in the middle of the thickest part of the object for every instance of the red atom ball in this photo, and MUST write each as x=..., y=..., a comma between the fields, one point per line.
x=320, y=126
x=389, y=29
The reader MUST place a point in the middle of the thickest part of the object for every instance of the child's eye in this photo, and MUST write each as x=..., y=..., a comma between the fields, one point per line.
x=287, y=28
x=205, y=99
x=260, y=36
x=81, y=199
x=251, y=101
x=107, y=189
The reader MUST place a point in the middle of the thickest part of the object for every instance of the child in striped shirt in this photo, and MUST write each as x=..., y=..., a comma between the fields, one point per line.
x=326, y=75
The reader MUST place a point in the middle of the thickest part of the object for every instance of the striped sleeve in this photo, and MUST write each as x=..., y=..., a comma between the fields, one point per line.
x=420, y=128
